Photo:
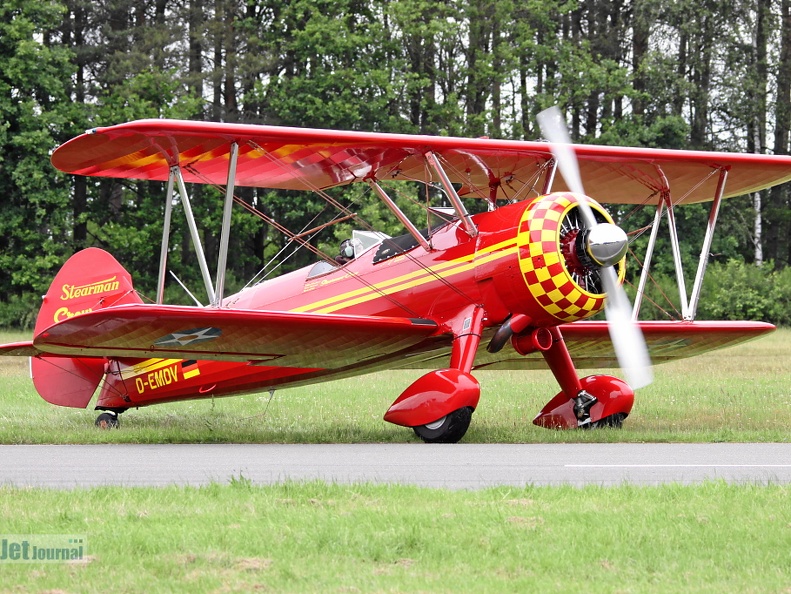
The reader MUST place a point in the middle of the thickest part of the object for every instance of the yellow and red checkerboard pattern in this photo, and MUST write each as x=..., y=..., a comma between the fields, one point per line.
x=542, y=263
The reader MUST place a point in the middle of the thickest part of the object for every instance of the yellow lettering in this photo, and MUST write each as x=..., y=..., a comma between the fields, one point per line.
x=139, y=385
x=159, y=379
x=97, y=288
x=64, y=313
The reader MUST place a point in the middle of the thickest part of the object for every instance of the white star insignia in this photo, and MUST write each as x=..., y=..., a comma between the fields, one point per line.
x=185, y=337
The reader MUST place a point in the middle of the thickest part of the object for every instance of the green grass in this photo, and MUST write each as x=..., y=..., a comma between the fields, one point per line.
x=325, y=538
x=737, y=394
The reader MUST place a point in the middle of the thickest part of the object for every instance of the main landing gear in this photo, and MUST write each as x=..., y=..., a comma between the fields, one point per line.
x=438, y=406
x=583, y=404
x=449, y=429
x=108, y=420
x=588, y=403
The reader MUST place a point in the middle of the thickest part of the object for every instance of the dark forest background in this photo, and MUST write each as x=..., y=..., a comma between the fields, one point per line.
x=693, y=74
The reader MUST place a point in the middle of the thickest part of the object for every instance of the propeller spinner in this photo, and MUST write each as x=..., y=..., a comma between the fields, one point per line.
x=605, y=244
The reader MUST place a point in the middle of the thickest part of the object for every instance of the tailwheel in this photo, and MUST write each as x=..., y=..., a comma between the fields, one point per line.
x=449, y=429
x=108, y=420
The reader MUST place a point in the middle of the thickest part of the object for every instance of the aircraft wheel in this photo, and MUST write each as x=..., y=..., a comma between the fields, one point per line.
x=108, y=421
x=612, y=422
x=449, y=429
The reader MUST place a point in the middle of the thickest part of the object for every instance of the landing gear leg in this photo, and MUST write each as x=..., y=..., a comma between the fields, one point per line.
x=585, y=403
x=559, y=360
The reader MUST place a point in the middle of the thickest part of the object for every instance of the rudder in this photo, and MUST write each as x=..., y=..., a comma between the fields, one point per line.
x=91, y=279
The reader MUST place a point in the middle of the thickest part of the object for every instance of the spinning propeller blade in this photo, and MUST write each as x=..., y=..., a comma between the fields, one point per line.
x=628, y=341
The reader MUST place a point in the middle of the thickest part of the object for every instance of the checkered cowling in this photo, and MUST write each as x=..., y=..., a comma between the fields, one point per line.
x=542, y=263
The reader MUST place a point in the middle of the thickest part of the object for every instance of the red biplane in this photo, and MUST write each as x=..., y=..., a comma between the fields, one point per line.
x=507, y=288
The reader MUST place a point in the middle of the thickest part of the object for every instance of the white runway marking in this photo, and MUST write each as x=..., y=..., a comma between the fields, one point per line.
x=677, y=465
x=457, y=466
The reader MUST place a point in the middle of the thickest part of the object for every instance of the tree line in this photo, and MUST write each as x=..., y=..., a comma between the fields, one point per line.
x=704, y=74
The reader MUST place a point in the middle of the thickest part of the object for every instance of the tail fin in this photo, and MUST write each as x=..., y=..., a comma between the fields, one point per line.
x=91, y=279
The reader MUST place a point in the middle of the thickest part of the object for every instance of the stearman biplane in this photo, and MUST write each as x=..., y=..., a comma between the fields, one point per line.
x=509, y=287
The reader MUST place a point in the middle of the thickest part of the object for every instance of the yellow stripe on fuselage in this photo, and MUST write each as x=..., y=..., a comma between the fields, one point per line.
x=412, y=279
x=147, y=366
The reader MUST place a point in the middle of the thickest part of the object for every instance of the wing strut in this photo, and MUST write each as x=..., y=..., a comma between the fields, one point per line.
x=163, y=254
x=704, y=251
x=689, y=304
x=676, y=249
x=226, y=225
x=649, y=254
x=550, y=178
x=466, y=221
x=410, y=226
x=204, y=268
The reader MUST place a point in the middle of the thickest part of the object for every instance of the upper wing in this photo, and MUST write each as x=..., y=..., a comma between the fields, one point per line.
x=283, y=339
x=306, y=159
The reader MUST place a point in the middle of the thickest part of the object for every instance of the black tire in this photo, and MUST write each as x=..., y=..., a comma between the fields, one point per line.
x=612, y=422
x=449, y=429
x=108, y=421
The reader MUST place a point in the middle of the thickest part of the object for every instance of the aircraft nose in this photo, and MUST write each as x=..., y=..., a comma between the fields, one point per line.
x=606, y=244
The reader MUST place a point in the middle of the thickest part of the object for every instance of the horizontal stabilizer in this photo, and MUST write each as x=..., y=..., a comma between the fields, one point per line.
x=282, y=338
x=19, y=349
x=67, y=381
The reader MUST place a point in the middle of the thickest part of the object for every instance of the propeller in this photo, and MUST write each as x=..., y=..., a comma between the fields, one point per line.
x=606, y=244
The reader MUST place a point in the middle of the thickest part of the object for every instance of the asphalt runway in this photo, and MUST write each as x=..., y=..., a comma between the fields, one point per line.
x=458, y=466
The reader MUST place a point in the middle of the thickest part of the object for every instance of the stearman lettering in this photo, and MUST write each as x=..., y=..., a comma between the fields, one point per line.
x=96, y=288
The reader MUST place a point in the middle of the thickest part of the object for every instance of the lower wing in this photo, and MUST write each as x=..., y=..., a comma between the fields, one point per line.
x=284, y=339
x=289, y=339
x=590, y=346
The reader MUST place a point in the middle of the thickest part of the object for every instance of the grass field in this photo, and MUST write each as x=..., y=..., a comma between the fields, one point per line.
x=318, y=537
x=737, y=394
x=326, y=538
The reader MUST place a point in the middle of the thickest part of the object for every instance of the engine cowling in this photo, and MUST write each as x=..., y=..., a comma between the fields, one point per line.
x=557, y=281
